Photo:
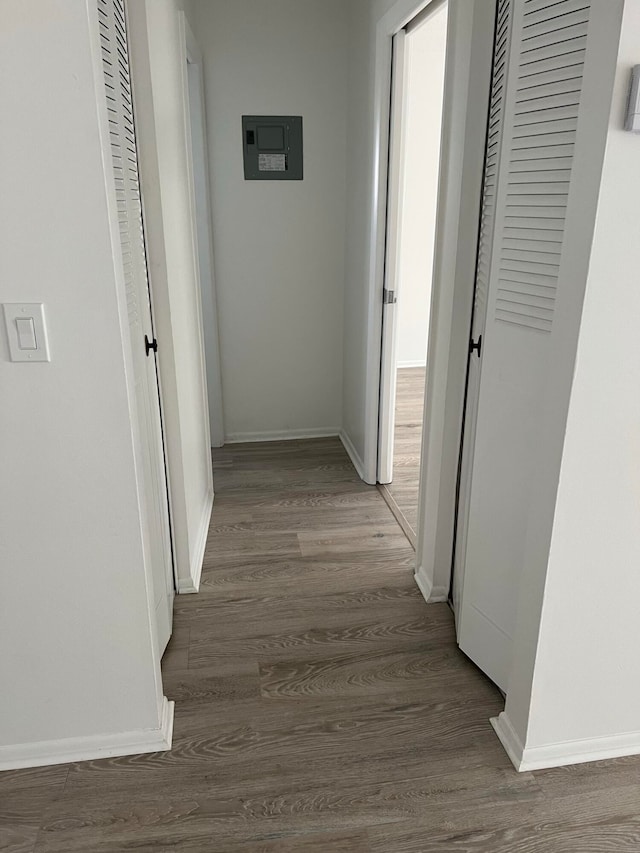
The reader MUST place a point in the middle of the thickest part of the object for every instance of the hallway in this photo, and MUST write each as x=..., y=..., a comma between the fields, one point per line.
x=322, y=706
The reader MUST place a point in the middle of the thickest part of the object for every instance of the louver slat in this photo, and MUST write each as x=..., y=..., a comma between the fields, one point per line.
x=113, y=39
x=494, y=140
x=539, y=147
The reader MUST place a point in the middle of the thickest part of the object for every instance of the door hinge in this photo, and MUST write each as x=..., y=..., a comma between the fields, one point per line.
x=475, y=346
x=150, y=345
x=389, y=297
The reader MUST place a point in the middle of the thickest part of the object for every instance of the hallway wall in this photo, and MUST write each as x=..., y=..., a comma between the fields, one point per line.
x=579, y=646
x=359, y=193
x=279, y=246
x=78, y=667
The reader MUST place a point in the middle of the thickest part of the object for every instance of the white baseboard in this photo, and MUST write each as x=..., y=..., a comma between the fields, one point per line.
x=281, y=435
x=91, y=748
x=191, y=585
x=564, y=753
x=353, y=454
x=431, y=594
x=404, y=364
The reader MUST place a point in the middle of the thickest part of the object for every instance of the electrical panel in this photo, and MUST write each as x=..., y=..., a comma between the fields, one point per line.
x=272, y=148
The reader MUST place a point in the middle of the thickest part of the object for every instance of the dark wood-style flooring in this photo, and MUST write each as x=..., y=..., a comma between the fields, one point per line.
x=403, y=493
x=321, y=705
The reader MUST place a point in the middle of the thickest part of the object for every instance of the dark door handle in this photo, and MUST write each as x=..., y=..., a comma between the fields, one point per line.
x=476, y=346
x=150, y=345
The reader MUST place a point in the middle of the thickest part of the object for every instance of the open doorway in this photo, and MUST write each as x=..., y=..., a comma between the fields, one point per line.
x=419, y=55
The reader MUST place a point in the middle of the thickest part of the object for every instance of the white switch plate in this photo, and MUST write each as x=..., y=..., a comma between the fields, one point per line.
x=21, y=345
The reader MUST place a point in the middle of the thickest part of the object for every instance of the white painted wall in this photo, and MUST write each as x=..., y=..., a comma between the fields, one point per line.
x=279, y=247
x=574, y=693
x=426, y=49
x=167, y=189
x=77, y=656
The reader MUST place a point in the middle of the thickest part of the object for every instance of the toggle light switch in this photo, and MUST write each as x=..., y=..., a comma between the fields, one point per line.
x=26, y=331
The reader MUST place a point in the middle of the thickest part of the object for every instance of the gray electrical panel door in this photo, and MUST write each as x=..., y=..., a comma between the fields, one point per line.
x=272, y=148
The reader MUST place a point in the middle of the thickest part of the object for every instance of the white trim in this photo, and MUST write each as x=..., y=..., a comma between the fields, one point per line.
x=422, y=17
x=564, y=753
x=187, y=42
x=392, y=264
x=431, y=594
x=391, y=23
x=353, y=454
x=509, y=739
x=403, y=365
x=91, y=748
x=197, y=147
x=281, y=435
x=191, y=585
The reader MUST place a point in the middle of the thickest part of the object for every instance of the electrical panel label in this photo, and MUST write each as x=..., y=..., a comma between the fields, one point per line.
x=272, y=162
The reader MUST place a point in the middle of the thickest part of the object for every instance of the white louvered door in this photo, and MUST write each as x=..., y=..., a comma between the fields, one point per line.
x=535, y=109
x=485, y=244
x=149, y=443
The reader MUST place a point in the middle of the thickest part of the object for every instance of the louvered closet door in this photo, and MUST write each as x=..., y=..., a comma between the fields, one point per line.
x=149, y=445
x=527, y=188
x=485, y=245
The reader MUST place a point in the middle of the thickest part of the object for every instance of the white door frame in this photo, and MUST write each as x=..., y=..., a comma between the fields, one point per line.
x=467, y=81
x=393, y=21
x=395, y=203
x=394, y=225
x=195, y=128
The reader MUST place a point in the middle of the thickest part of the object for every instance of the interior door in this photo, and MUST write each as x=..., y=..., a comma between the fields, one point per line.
x=149, y=441
x=534, y=117
x=483, y=268
x=388, y=375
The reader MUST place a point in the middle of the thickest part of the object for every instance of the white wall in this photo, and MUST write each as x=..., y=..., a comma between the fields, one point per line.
x=426, y=50
x=157, y=56
x=279, y=247
x=77, y=655
x=574, y=694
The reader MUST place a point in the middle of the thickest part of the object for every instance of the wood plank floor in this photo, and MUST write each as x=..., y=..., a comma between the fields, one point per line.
x=402, y=493
x=322, y=706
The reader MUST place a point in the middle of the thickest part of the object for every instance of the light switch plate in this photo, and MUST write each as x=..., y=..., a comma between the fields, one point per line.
x=20, y=335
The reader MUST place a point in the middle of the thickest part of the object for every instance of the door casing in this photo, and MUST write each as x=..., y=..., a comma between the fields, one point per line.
x=388, y=369
x=466, y=95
